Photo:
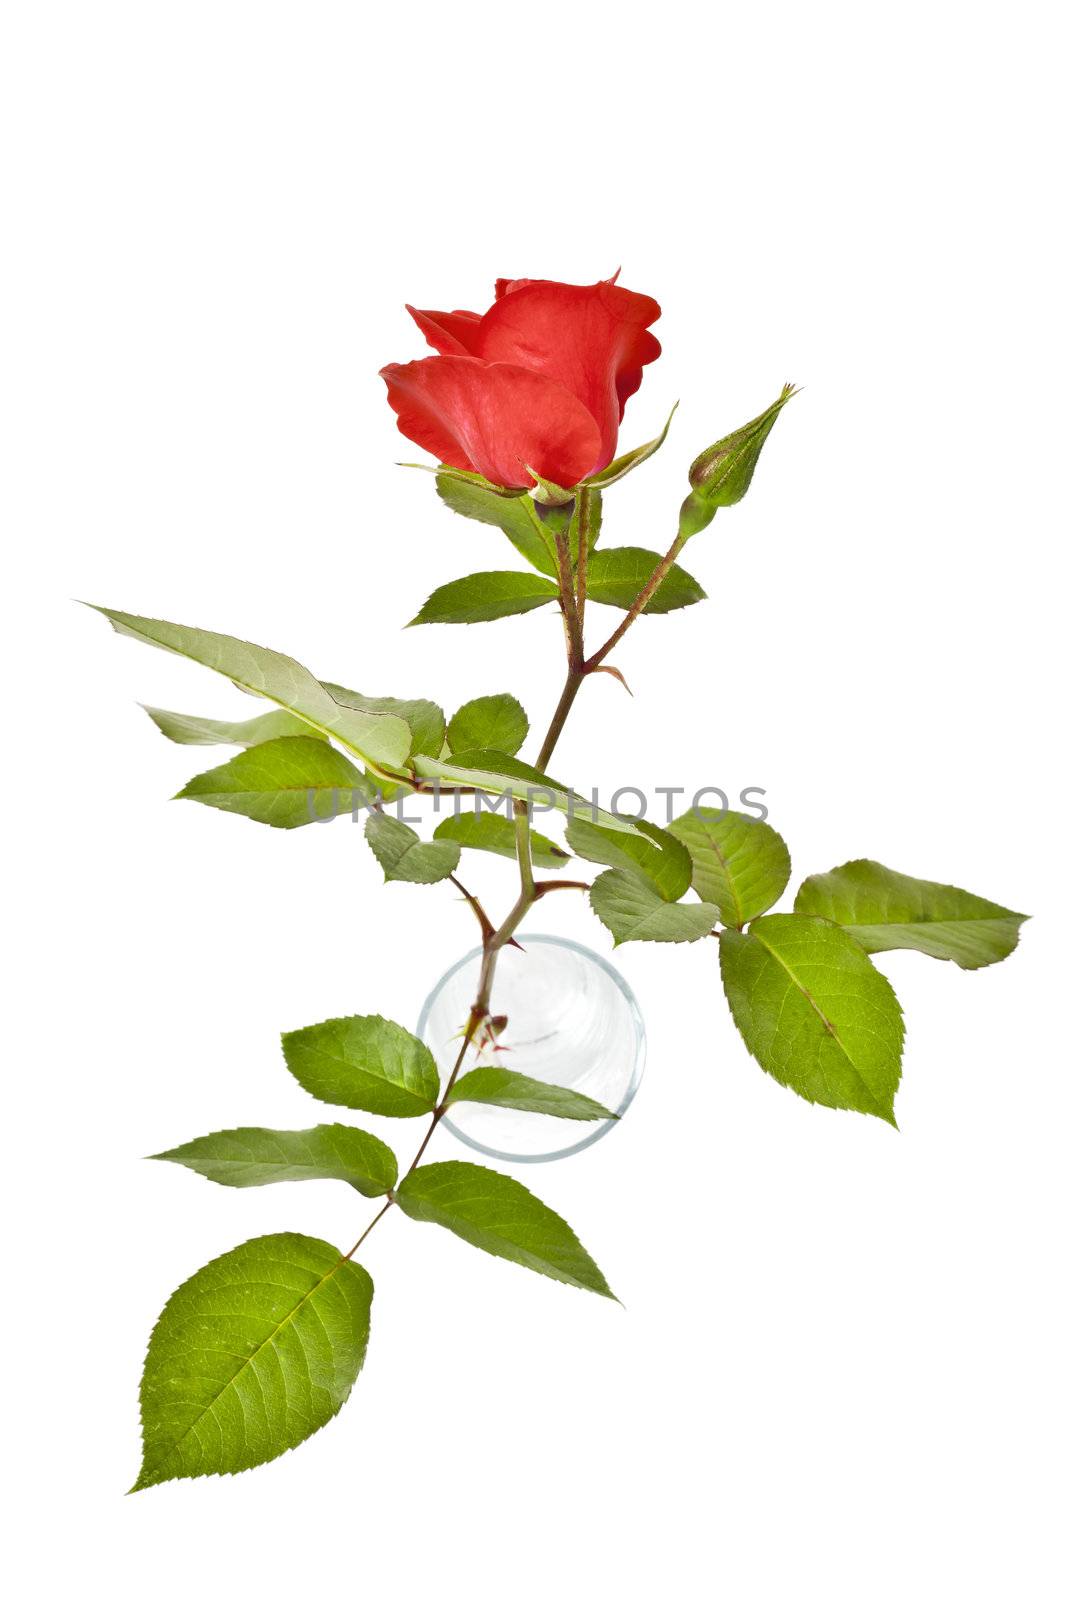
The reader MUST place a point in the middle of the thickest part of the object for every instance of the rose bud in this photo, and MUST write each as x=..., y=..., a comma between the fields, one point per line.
x=721, y=474
x=534, y=389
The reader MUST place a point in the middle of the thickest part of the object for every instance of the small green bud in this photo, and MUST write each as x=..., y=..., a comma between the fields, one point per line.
x=721, y=474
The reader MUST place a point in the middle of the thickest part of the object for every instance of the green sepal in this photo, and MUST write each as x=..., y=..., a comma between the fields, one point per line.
x=463, y=476
x=633, y=458
x=547, y=493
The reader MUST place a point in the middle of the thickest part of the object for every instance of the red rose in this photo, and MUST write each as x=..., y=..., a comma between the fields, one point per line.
x=540, y=380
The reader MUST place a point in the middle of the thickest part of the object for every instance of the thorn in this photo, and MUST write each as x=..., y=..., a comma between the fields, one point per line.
x=615, y=673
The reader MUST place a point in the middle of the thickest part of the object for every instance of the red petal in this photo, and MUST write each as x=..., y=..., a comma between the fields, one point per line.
x=451, y=332
x=592, y=339
x=644, y=348
x=494, y=418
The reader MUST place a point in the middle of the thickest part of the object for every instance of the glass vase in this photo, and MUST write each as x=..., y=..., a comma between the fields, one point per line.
x=572, y=1020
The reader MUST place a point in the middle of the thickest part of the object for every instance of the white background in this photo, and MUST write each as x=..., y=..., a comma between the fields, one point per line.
x=839, y=1369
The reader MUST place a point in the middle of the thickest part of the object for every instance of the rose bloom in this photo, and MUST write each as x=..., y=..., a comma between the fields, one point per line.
x=539, y=381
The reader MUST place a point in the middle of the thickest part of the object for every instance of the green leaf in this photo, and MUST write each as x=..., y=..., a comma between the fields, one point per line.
x=425, y=719
x=182, y=729
x=492, y=722
x=617, y=576
x=365, y=1063
x=285, y=783
x=886, y=910
x=403, y=856
x=815, y=1012
x=496, y=1086
x=739, y=864
x=491, y=772
x=514, y=516
x=485, y=596
x=245, y=1158
x=633, y=458
x=378, y=739
x=652, y=852
x=486, y=830
x=631, y=908
x=500, y=1216
x=721, y=474
x=252, y=1355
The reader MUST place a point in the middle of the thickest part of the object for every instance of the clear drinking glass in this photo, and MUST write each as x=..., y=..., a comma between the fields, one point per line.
x=572, y=1021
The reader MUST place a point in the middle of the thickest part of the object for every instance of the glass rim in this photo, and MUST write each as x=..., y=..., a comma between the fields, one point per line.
x=636, y=1071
